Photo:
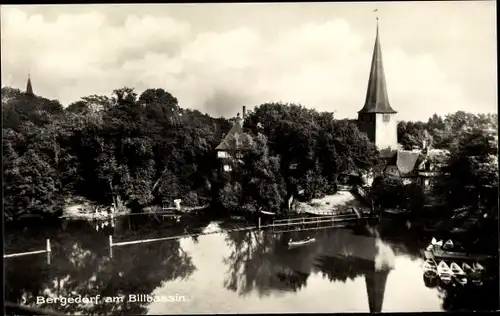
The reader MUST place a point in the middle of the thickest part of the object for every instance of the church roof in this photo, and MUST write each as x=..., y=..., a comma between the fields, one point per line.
x=377, y=100
x=232, y=141
x=29, y=88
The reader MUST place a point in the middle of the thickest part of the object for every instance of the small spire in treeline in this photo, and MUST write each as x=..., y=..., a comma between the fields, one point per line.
x=29, y=87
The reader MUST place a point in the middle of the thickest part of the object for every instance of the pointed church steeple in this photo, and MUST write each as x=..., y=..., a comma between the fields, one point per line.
x=377, y=100
x=29, y=88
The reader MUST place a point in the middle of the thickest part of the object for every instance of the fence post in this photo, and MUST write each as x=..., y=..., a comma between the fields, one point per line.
x=110, y=241
x=259, y=223
x=48, y=246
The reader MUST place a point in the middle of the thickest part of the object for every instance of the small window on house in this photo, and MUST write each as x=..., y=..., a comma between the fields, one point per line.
x=221, y=154
x=227, y=168
x=386, y=118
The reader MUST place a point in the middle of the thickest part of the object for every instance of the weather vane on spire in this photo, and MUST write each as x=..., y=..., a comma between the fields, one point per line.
x=376, y=16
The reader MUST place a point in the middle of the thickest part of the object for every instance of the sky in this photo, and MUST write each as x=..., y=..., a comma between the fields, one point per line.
x=439, y=57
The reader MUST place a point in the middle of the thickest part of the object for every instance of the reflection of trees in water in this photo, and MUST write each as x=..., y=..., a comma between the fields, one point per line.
x=343, y=268
x=469, y=297
x=350, y=254
x=404, y=240
x=155, y=226
x=81, y=265
x=22, y=279
x=456, y=297
x=255, y=265
x=263, y=262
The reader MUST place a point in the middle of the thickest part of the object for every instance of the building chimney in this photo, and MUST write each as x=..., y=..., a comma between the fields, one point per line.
x=244, y=113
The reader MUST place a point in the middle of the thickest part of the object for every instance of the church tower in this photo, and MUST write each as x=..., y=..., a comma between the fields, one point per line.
x=377, y=118
x=29, y=88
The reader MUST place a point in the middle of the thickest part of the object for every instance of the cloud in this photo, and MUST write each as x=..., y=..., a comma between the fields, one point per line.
x=323, y=65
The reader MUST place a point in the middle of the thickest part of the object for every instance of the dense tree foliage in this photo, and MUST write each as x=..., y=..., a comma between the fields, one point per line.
x=443, y=131
x=143, y=149
x=470, y=177
x=255, y=182
x=314, y=149
x=125, y=148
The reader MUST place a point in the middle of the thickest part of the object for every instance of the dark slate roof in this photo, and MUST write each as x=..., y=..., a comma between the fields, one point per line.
x=377, y=100
x=232, y=141
x=407, y=161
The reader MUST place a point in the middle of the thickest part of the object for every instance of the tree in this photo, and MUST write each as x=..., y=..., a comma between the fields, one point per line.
x=317, y=146
x=470, y=177
x=412, y=134
x=31, y=186
x=388, y=192
x=262, y=183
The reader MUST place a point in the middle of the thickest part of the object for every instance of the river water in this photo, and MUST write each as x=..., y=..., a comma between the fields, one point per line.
x=361, y=269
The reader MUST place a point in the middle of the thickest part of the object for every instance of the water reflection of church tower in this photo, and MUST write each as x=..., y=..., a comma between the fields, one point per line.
x=376, y=276
x=375, y=286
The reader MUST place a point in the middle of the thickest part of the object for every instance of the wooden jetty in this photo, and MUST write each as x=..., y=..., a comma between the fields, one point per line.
x=184, y=209
x=438, y=254
x=313, y=223
x=115, y=244
x=47, y=250
x=283, y=225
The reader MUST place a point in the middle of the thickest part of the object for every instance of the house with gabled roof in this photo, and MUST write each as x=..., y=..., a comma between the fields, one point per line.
x=418, y=166
x=233, y=144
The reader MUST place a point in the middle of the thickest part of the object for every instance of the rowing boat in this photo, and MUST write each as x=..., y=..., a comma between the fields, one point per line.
x=301, y=242
x=458, y=273
x=448, y=245
x=473, y=275
x=444, y=272
x=478, y=267
x=430, y=268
